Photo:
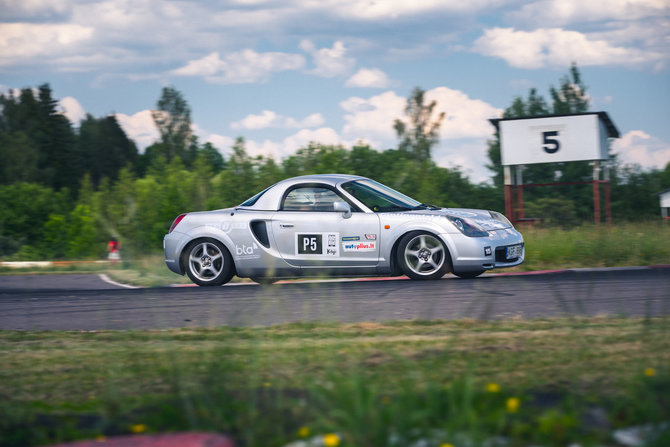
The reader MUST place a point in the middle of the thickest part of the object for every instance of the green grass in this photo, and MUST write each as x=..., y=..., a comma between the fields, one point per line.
x=592, y=246
x=368, y=382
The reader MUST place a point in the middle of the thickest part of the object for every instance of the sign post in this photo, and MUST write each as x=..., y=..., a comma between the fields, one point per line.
x=554, y=139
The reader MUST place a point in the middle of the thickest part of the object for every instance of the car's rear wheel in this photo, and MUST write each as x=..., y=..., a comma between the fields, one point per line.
x=469, y=275
x=208, y=262
x=422, y=255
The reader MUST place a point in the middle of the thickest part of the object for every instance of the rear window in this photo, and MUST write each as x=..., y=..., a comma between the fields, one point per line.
x=252, y=201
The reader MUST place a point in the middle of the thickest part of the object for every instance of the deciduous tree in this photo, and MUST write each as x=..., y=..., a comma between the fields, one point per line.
x=420, y=132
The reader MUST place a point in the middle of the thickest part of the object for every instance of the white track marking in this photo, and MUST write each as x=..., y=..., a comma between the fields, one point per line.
x=108, y=280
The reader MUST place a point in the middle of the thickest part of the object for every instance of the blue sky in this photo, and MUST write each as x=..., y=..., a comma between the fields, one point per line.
x=283, y=73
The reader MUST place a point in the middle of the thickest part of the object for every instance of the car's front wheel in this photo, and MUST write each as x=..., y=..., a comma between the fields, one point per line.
x=423, y=256
x=208, y=262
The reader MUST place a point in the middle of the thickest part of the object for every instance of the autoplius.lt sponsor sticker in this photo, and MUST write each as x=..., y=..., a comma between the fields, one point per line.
x=359, y=246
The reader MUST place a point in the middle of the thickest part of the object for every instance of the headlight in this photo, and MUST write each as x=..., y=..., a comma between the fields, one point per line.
x=467, y=228
x=500, y=218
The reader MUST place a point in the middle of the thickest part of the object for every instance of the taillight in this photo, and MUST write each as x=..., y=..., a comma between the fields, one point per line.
x=176, y=222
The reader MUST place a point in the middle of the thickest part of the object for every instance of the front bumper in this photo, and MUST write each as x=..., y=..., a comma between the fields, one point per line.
x=476, y=254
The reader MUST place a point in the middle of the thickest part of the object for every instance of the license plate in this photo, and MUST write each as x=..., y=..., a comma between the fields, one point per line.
x=514, y=251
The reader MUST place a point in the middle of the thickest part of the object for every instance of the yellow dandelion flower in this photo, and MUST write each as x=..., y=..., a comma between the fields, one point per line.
x=331, y=440
x=138, y=428
x=100, y=438
x=447, y=445
x=492, y=387
x=303, y=432
x=650, y=372
x=267, y=384
x=513, y=404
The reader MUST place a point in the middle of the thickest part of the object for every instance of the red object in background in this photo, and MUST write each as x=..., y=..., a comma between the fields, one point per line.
x=113, y=246
x=113, y=249
x=161, y=440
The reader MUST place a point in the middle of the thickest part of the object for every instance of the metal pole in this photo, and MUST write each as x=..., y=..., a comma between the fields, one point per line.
x=596, y=193
x=519, y=190
x=509, y=211
x=608, y=208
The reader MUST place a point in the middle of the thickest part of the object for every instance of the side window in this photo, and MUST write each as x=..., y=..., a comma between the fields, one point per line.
x=310, y=198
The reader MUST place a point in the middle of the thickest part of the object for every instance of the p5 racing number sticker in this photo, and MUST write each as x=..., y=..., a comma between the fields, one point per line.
x=319, y=244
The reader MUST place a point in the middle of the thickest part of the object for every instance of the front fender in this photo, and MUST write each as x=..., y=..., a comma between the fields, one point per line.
x=400, y=229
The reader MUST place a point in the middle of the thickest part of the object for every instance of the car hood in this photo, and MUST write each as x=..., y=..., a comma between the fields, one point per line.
x=480, y=217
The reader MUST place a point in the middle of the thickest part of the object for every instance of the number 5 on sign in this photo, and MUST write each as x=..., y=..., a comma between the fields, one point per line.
x=550, y=142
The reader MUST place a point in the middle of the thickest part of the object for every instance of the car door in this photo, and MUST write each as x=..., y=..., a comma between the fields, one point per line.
x=309, y=232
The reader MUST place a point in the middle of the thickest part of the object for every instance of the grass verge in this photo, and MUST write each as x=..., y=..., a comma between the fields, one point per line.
x=546, y=382
x=546, y=248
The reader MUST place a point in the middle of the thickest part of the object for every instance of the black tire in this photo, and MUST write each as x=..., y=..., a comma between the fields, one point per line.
x=208, y=262
x=422, y=255
x=469, y=275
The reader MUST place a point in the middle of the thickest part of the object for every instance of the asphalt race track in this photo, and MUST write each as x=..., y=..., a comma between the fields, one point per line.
x=86, y=302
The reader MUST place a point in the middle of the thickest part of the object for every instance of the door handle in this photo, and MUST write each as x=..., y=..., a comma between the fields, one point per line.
x=286, y=225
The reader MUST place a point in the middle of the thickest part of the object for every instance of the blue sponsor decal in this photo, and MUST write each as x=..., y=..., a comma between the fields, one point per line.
x=350, y=238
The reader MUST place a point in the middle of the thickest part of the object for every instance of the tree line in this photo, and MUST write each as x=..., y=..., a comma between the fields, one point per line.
x=65, y=190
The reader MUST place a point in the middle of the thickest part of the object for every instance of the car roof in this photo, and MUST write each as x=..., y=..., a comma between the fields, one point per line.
x=271, y=198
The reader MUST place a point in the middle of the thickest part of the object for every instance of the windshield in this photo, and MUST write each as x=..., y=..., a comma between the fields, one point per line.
x=379, y=198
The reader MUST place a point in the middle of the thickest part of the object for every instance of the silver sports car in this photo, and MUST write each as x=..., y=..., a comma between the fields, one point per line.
x=342, y=225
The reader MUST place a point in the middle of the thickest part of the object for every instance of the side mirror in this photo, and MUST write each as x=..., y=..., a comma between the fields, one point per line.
x=344, y=208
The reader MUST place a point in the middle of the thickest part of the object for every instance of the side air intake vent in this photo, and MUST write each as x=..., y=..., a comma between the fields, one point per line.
x=260, y=231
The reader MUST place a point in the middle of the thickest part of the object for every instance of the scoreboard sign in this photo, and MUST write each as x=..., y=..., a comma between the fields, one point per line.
x=553, y=139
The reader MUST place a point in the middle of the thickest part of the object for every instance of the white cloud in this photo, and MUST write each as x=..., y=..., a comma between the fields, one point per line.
x=467, y=154
x=373, y=118
x=556, y=47
x=370, y=78
x=23, y=41
x=289, y=145
x=140, y=128
x=207, y=66
x=13, y=9
x=270, y=119
x=329, y=62
x=466, y=117
x=222, y=143
x=243, y=67
x=563, y=12
x=641, y=148
x=72, y=109
x=396, y=9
